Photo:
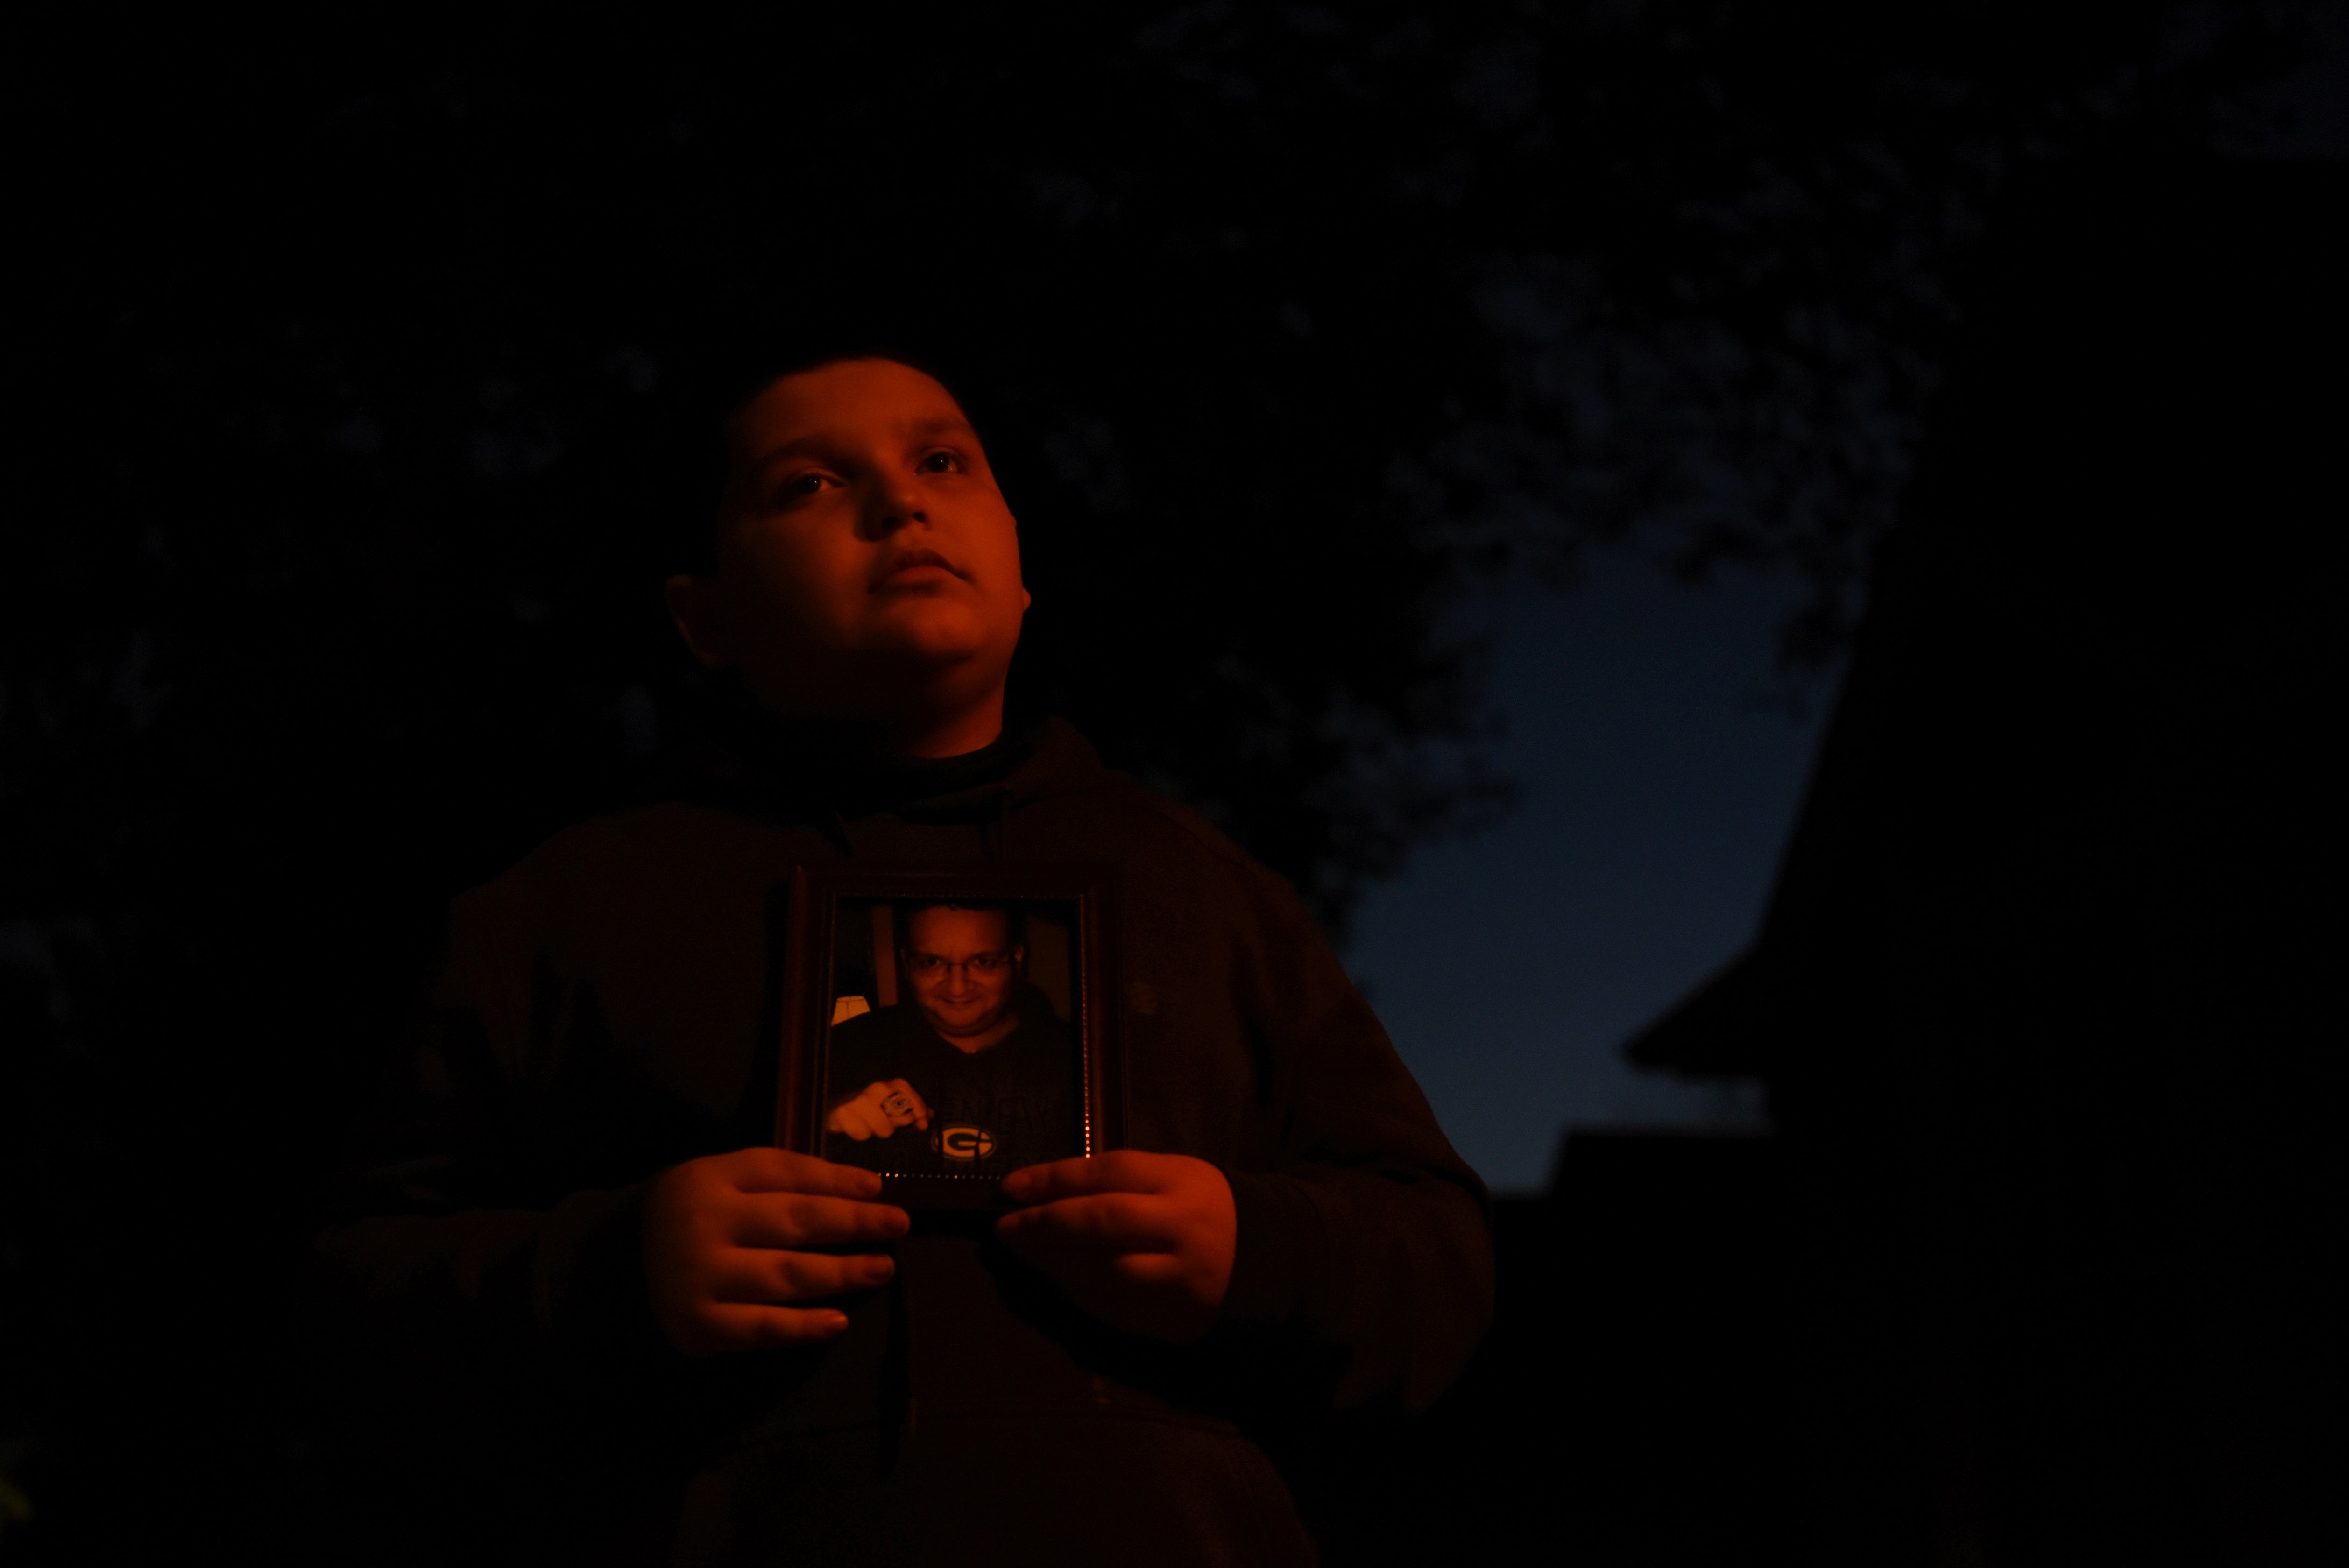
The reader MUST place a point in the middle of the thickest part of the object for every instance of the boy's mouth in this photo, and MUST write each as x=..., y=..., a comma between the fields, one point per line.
x=915, y=567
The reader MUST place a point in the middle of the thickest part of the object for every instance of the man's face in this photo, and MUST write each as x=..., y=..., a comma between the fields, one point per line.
x=867, y=564
x=963, y=968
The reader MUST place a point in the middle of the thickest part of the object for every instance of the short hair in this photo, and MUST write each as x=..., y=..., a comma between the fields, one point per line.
x=1015, y=923
x=695, y=454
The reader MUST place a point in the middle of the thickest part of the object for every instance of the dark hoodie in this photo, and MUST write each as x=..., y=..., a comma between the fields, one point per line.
x=609, y=1007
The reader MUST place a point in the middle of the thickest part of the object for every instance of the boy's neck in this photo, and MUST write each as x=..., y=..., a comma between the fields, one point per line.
x=874, y=743
x=959, y=735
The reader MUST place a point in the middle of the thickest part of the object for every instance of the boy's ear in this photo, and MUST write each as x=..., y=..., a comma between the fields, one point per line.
x=693, y=606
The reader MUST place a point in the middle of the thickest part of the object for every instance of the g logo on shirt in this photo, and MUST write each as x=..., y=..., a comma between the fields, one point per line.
x=963, y=1142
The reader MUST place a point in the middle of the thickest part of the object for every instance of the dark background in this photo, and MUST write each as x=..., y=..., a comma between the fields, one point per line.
x=345, y=361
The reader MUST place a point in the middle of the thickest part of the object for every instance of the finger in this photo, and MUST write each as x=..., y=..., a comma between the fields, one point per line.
x=791, y=1221
x=1114, y=1222
x=739, y=1325
x=1150, y=1268
x=1096, y=1274
x=780, y=1170
x=757, y=1276
x=1120, y=1171
x=913, y=1098
x=800, y=1220
x=852, y=1123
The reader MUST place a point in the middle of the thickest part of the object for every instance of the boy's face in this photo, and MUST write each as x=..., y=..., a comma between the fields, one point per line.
x=868, y=568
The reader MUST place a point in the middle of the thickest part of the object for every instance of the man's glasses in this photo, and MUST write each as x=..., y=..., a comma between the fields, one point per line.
x=979, y=966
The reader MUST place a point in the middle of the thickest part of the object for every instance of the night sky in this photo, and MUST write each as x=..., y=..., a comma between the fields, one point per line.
x=1661, y=766
x=1662, y=771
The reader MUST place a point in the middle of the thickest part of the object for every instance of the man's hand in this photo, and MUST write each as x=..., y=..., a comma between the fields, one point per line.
x=729, y=1240
x=880, y=1110
x=1141, y=1241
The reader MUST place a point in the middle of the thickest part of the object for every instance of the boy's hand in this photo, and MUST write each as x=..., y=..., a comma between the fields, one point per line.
x=1141, y=1241
x=730, y=1239
x=880, y=1110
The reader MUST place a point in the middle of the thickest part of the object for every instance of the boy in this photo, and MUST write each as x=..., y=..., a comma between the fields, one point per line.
x=670, y=1343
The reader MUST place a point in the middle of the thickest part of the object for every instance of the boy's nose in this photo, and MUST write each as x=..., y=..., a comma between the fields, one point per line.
x=895, y=503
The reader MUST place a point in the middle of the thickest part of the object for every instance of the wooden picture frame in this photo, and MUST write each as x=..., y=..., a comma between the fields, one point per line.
x=1035, y=943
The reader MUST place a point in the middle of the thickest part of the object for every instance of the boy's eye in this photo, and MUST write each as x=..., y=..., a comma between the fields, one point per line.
x=939, y=463
x=799, y=487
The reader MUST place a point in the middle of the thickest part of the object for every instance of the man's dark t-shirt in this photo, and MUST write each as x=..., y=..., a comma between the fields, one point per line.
x=991, y=1113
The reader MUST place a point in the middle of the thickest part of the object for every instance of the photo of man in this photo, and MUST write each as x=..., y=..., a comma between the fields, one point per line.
x=977, y=1076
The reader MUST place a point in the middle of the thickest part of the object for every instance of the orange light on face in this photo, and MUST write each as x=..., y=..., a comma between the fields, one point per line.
x=868, y=569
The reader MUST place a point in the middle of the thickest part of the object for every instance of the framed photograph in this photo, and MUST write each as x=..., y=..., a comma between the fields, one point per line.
x=947, y=1027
